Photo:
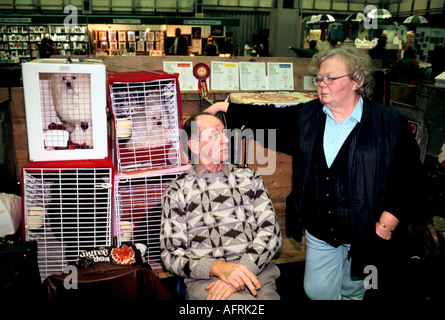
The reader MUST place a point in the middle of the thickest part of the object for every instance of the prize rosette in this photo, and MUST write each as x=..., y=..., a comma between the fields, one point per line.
x=123, y=255
x=201, y=72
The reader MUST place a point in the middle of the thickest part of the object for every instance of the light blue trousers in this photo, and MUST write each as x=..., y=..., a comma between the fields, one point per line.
x=328, y=272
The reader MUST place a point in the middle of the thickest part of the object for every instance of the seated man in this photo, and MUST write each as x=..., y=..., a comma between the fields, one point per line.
x=219, y=229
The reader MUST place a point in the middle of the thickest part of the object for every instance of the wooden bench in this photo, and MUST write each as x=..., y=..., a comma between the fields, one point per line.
x=291, y=250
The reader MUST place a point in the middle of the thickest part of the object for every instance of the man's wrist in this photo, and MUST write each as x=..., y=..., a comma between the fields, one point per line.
x=215, y=268
x=202, y=268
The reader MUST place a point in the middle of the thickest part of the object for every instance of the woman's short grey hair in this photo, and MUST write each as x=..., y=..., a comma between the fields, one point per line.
x=358, y=63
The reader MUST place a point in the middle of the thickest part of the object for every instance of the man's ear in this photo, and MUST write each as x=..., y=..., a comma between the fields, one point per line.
x=193, y=146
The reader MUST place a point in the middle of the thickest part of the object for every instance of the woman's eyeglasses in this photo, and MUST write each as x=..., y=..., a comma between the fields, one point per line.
x=327, y=80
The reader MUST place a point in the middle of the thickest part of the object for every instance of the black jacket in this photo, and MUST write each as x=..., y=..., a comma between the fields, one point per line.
x=182, y=49
x=383, y=159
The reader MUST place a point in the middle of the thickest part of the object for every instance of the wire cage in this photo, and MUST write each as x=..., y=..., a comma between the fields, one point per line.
x=66, y=210
x=65, y=110
x=137, y=199
x=146, y=110
x=418, y=122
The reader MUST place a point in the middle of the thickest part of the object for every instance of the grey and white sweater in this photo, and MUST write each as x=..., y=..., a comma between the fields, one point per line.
x=227, y=215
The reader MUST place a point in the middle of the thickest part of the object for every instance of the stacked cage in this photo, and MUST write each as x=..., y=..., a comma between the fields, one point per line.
x=67, y=186
x=67, y=208
x=146, y=111
x=138, y=205
x=65, y=110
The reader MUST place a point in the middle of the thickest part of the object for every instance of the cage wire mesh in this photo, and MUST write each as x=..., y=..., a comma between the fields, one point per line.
x=67, y=119
x=66, y=211
x=146, y=122
x=139, y=211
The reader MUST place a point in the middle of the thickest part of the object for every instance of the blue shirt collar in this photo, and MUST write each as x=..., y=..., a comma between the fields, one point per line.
x=356, y=114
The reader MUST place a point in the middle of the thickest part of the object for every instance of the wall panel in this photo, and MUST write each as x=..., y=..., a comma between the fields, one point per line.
x=437, y=4
x=420, y=5
x=322, y=4
x=160, y=6
x=405, y=5
x=340, y=6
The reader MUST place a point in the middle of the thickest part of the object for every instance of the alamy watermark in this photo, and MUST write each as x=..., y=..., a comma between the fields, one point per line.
x=71, y=280
x=260, y=156
x=369, y=23
x=70, y=20
x=371, y=280
x=237, y=154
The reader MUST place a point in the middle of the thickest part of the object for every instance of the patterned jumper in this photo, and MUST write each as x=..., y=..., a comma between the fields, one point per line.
x=227, y=215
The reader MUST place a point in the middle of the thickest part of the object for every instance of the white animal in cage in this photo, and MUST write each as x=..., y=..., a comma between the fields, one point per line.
x=67, y=212
x=72, y=101
x=151, y=126
x=69, y=81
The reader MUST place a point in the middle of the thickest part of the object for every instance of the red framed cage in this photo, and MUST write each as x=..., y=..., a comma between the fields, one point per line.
x=146, y=108
x=67, y=208
x=138, y=210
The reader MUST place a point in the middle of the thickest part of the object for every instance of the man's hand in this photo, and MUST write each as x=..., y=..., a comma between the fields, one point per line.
x=235, y=274
x=219, y=290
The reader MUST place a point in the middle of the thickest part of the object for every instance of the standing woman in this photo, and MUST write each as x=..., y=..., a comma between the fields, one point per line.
x=354, y=165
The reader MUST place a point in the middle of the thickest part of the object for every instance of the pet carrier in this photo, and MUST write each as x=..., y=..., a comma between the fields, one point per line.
x=65, y=107
x=146, y=108
x=418, y=122
x=66, y=209
x=137, y=199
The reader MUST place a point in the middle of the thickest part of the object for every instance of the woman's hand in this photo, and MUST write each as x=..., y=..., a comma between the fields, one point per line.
x=217, y=107
x=382, y=232
x=386, y=224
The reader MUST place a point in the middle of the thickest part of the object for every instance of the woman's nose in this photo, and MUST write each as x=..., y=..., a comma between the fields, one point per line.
x=322, y=84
